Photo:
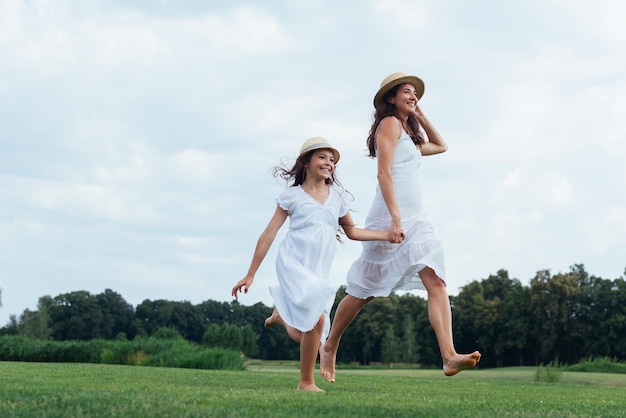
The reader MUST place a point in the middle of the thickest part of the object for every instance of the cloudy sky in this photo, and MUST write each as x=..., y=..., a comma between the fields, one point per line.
x=137, y=137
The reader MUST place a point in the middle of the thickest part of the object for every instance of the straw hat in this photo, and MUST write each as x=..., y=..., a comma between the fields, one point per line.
x=318, y=142
x=396, y=79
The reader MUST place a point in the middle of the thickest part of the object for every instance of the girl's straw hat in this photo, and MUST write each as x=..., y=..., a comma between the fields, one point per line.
x=318, y=143
x=396, y=79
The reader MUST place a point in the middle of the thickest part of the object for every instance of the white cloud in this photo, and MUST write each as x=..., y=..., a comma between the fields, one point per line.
x=138, y=141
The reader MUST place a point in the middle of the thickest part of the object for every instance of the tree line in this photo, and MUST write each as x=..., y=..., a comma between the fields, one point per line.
x=564, y=317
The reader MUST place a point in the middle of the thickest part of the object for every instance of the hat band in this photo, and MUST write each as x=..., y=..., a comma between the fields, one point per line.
x=315, y=146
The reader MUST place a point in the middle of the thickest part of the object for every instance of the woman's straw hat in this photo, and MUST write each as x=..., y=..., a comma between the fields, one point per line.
x=318, y=142
x=396, y=79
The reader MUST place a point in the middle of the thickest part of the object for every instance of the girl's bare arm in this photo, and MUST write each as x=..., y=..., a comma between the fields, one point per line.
x=262, y=247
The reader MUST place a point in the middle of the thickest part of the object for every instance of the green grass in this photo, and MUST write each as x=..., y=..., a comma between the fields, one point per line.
x=268, y=390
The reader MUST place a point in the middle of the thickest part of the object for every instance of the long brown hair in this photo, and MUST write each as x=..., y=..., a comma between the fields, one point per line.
x=384, y=109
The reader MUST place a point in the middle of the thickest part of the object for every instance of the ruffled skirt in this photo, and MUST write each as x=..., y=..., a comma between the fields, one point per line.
x=384, y=268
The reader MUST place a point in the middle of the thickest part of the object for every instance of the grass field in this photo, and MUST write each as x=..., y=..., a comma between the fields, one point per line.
x=267, y=390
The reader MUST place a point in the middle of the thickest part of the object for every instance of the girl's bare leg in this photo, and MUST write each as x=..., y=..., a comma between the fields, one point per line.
x=440, y=316
x=308, y=356
x=276, y=319
x=347, y=310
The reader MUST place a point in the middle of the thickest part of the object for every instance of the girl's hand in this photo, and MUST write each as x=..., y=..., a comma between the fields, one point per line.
x=244, y=283
x=398, y=239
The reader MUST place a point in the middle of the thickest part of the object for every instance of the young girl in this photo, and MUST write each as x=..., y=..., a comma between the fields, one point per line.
x=316, y=205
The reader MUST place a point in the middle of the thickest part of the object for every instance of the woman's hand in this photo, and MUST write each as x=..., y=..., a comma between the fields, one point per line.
x=418, y=113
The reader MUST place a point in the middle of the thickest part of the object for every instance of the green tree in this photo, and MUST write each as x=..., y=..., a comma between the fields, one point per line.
x=494, y=314
x=225, y=336
x=249, y=344
x=231, y=337
x=75, y=316
x=601, y=315
x=370, y=327
x=212, y=336
x=553, y=302
x=36, y=324
x=182, y=316
x=417, y=338
x=214, y=312
x=465, y=307
x=389, y=348
x=409, y=350
x=117, y=315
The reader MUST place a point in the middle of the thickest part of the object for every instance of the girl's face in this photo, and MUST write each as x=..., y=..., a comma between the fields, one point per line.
x=322, y=164
x=405, y=99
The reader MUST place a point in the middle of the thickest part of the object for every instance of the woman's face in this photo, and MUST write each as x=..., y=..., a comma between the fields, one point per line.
x=405, y=99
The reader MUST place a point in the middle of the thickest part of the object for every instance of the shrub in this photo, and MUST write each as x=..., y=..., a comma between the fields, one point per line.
x=173, y=352
x=191, y=356
x=551, y=373
x=167, y=333
x=599, y=365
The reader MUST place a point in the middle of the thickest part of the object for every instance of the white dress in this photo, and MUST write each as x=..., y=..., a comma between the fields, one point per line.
x=384, y=267
x=305, y=291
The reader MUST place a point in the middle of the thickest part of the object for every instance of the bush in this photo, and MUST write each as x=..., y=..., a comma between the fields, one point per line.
x=599, y=365
x=551, y=373
x=188, y=356
x=168, y=334
x=153, y=351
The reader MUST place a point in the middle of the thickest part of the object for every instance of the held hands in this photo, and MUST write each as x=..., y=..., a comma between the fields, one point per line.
x=396, y=239
x=396, y=233
x=244, y=283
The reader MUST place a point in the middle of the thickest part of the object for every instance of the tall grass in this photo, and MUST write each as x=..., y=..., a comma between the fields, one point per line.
x=152, y=351
x=600, y=365
x=550, y=373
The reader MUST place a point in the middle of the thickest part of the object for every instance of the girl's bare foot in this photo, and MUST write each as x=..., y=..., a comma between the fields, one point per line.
x=310, y=388
x=461, y=362
x=273, y=319
x=327, y=363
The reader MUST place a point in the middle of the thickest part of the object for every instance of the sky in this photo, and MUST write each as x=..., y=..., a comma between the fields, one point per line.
x=137, y=138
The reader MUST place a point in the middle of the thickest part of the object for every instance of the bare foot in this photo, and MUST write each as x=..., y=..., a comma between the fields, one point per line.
x=273, y=319
x=461, y=362
x=310, y=388
x=327, y=363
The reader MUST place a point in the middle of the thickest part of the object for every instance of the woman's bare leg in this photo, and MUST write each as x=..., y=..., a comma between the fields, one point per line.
x=347, y=310
x=308, y=356
x=440, y=316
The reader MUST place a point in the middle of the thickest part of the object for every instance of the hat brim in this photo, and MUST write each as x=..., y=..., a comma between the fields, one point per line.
x=410, y=79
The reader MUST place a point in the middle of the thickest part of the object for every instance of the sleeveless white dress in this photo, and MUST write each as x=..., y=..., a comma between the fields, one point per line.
x=384, y=267
x=305, y=292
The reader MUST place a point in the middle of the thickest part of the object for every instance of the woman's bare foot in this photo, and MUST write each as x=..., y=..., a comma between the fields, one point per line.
x=310, y=388
x=273, y=319
x=327, y=362
x=461, y=362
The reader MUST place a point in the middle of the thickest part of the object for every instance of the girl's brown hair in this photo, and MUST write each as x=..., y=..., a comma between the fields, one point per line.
x=384, y=109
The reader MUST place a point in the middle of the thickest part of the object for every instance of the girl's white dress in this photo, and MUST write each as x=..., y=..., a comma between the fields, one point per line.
x=305, y=292
x=384, y=267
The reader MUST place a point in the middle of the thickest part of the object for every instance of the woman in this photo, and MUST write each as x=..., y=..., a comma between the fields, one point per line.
x=396, y=139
